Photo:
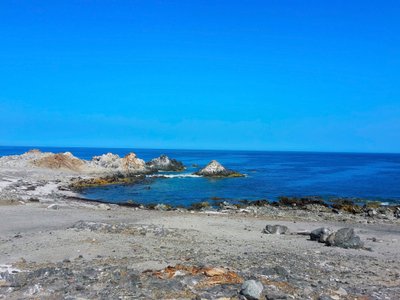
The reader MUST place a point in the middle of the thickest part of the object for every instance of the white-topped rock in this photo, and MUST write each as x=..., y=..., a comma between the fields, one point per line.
x=215, y=169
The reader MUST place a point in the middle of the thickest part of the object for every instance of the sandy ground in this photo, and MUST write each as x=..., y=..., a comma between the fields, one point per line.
x=34, y=233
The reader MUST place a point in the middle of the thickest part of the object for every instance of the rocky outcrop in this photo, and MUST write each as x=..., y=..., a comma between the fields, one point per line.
x=215, y=169
x=164, y=163
x=59, y=161
x=113, y=163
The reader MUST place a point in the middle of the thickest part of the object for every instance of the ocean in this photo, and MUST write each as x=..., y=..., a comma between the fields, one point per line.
x=361, y=176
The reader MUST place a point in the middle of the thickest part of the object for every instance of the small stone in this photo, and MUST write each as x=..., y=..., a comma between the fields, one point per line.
x=275, y=229
x=251, y=289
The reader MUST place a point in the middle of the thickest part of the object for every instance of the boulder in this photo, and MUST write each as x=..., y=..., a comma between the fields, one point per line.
x=164, y=163
x=345, y=238
x=251, y=289
x=320, y=234
x=275, y=229
x=215, y=169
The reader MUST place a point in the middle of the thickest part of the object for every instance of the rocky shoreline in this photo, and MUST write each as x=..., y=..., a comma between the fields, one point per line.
x=55, y=245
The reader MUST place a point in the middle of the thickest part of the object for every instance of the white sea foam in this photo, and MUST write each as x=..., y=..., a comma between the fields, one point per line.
x=174, y=175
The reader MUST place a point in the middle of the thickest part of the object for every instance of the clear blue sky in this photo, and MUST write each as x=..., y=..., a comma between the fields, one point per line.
x=274, y=75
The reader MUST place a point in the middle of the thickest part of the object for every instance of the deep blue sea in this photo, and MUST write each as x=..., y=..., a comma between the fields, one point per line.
x=269, y=175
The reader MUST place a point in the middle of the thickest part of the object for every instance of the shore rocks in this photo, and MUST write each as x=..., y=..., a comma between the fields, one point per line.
x=215, y=169
x=275, y=229
x=251, y=289
x=164, y=163
x=345, y=238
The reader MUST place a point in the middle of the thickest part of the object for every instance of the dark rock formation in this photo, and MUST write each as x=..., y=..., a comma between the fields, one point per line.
x=345, y=238
x=215, y=169
x=164, y=163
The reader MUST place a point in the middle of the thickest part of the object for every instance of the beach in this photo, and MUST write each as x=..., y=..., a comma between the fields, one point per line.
x=57, y=246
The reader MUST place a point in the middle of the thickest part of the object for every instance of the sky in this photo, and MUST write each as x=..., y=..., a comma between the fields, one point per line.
x=258, y=75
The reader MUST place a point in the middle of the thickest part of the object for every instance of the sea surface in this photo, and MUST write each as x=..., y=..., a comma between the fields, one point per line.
x=362, y=176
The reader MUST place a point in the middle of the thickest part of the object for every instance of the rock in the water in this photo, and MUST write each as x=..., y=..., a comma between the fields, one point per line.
x=215, y=169
x=252, y=289
x=320, y=234
x=164, y=163
x=345, y=238
x=275, y=229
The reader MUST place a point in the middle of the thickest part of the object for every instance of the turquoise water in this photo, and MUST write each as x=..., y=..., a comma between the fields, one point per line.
x=269, y=175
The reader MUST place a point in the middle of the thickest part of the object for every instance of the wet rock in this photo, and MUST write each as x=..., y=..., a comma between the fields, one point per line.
x=164, y=163
x=275, y=229
x=215, y=169
x=251, y=289
x=345, y=238
x=320, y=234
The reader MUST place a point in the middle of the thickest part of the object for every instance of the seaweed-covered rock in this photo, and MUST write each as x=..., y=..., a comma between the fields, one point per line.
x=164, y=163
x=215, y=169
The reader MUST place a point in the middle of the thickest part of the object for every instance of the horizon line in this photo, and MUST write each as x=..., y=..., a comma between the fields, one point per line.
x=199, y=149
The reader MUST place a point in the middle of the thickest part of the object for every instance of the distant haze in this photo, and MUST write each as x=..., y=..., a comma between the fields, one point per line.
x=262, y=75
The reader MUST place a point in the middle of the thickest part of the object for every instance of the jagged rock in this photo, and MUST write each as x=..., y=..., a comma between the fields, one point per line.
x=275, y=229
x=112, y=163
x=215, y=169
x=164, y=163
x=251, y=289
x=320, y=234
x=345, y=238
x=108, y=160
x=132, y=164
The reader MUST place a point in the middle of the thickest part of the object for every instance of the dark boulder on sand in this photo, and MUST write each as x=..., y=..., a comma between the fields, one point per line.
x=215, y=169
x=345, y=238
x=164, y=163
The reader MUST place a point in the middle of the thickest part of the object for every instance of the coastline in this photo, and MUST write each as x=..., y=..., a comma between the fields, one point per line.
x=54, y=245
